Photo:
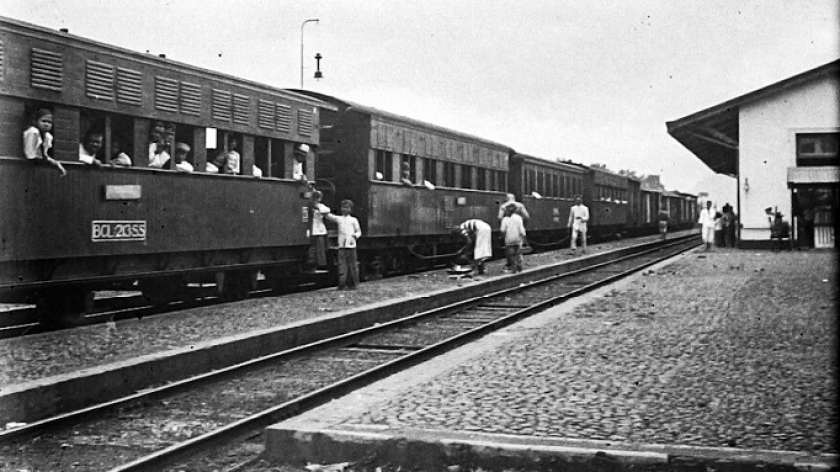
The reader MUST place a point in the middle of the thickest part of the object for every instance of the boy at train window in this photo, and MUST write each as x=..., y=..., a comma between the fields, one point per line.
x=217, y=164
x=348, y=232
x=118, y=157
x=90, y=146
x=37, y=139
x=157, y=146
x=301, y=152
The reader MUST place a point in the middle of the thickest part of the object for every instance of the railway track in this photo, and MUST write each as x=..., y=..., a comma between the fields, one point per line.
x=216, y=418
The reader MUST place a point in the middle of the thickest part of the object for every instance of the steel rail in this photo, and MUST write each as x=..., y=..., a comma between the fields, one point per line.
x=250, y=426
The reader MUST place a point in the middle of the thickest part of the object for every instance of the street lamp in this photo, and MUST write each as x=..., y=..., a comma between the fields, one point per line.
x=301, y=48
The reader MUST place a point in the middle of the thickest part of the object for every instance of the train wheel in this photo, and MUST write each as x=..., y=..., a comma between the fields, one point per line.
x=374, y=269
x=396, y=263
x=163, y=290
x=62, y=308
x=237, y=284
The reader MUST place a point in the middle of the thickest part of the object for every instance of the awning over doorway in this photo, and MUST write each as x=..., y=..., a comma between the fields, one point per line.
x=813, y=176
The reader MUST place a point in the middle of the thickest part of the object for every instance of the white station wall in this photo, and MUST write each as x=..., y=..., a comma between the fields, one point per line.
x=767, y=147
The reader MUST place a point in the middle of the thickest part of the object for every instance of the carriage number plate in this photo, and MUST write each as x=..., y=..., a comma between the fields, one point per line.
x=107, y=230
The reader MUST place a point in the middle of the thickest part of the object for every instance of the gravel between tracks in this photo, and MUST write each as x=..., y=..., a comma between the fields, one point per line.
x=725, y=349
x=43, y=355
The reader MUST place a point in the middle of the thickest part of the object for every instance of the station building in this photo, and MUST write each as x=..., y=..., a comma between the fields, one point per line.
x=781, y=144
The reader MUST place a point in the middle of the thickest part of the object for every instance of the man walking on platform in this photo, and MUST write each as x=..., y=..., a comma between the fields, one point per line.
x=578, y=217
x=707, y=224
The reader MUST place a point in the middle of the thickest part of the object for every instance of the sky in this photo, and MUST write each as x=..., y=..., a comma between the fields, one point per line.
x=594, y=82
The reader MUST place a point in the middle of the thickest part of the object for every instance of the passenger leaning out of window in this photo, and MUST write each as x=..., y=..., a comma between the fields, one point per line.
x=217, y=164
x=301, y=151
x=233, y=157
x=182, y=150
x=90, y=146
x=118, y=157
x=37, y=139
x=157, y=146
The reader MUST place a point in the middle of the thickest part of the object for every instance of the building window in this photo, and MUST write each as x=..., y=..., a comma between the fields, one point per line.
x=817, y=149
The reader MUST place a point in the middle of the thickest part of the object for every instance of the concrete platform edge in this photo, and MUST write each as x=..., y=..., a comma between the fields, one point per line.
x=437, y=449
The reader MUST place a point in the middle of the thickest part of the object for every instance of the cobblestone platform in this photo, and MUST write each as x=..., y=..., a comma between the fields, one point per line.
x=726, y=355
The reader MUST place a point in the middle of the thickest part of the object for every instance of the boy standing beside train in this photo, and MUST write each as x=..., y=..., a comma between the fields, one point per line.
x=348, y=232
x=514, y=231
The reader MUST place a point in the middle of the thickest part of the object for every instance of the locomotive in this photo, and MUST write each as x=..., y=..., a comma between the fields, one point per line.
x=157, y=230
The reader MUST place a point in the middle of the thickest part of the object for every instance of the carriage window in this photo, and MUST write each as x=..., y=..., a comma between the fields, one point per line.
x=430, y=171
x=449, y=174
x=817, y=149
x=481, y=183
x=261, y=156
x=466, y=176
x=384, y=170
x=409, y=168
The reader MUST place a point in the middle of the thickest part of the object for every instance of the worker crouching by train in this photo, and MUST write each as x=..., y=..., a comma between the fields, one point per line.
x=477, y=235
x=348, y=232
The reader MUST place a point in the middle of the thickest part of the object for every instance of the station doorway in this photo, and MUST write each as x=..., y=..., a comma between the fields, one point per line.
x=814, y=213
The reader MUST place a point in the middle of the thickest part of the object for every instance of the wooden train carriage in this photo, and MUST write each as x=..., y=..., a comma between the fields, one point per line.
x=410, y=181
x=99, y=225
x=547, y=189
x=674, y=204
x=634, y=207
x=608, y=201
x=685, y=205
x=650, y=199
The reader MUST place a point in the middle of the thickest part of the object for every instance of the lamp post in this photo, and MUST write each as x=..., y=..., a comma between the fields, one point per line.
x=315, y=20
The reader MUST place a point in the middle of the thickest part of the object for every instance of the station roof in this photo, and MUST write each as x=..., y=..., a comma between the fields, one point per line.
x=712, y=134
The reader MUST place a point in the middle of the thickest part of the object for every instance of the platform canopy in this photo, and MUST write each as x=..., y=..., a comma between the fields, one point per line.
x=712, y=134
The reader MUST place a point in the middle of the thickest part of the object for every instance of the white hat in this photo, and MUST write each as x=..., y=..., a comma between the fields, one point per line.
x=303, y=148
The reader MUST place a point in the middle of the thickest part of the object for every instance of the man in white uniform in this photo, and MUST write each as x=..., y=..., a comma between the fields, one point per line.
x=578, y=217
x=707, y=224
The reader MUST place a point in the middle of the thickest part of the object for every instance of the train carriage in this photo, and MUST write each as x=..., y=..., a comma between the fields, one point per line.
x=410, y=182
x=650, y=199
x=607, y=195
x=100, y=227
x=634, y=207
x=547, y=189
